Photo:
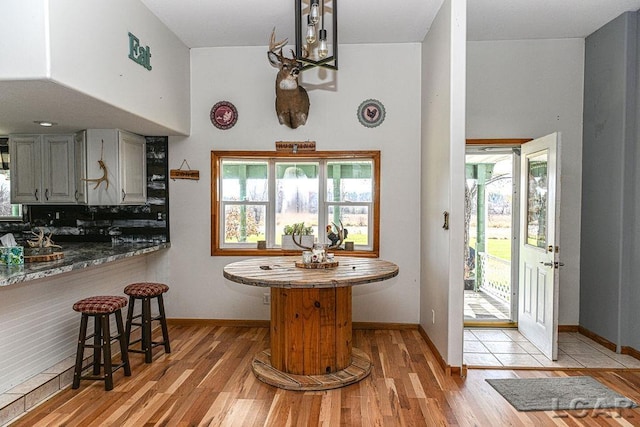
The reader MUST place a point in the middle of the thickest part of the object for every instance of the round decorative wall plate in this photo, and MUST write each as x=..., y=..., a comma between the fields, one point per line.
x=371, y=113
x=224, y=115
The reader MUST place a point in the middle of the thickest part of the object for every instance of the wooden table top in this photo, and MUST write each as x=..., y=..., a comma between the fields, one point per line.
x=281, y=272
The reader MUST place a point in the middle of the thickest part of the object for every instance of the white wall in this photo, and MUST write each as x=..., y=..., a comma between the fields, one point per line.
x=443, y=140
x=23, y=45
x=243, y=76
x=90, y=53
x=528, y=89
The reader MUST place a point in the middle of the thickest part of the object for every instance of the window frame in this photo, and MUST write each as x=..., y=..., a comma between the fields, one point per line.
x=216, y=204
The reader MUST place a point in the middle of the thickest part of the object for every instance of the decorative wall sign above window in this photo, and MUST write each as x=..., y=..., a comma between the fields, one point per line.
x=224, y=115
x=371, y=113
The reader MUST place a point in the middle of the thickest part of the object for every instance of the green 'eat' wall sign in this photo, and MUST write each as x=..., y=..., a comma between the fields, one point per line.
x=138, y=54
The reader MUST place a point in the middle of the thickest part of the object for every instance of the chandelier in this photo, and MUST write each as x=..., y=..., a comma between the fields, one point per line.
x=315, y=46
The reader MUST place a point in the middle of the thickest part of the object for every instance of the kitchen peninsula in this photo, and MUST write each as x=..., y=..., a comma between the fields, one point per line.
x=77, y=256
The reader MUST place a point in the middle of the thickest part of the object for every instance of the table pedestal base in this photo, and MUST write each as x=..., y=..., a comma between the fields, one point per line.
x=359, y=368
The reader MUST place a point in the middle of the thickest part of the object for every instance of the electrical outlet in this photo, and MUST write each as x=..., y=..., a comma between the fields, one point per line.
x=433, y=316
x=266, y=298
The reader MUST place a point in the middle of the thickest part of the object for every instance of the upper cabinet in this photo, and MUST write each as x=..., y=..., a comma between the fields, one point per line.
x=42, y=169
x=116, y=168
x=132, y=161
x=94, y=167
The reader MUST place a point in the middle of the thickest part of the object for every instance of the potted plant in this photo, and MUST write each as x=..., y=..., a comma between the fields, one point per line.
x=304, y=236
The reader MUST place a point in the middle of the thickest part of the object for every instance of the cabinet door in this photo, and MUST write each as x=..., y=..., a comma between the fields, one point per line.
x=102, y=148
x=80, y=148
x=58, y=180
x=133, y=168
x=26, y=168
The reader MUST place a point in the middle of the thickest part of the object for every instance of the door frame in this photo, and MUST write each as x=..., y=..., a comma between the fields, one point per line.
x=515, y=224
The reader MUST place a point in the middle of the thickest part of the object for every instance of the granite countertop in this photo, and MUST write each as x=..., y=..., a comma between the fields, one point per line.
x=76, y=257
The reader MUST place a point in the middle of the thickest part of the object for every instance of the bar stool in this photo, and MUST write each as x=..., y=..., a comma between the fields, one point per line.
x=100, y=308
x=145, y=291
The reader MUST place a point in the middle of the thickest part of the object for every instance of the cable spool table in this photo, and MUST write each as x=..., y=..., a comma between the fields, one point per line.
x=311, y=331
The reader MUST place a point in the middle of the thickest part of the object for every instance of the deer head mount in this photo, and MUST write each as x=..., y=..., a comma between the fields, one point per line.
x=292, y=100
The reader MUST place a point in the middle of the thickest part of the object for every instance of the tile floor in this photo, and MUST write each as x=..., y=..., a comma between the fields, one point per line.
x=508, y=348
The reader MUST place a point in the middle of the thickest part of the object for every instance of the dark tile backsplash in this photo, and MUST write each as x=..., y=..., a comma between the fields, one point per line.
x=124, y=224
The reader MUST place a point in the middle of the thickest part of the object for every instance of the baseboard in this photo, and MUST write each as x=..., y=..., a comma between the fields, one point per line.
x=630, y=351
x=384, y=326
x=221, y=322
x=597, y=338
x=568, y=328
x=265, y=324
x=608, y=344
x=448, y=369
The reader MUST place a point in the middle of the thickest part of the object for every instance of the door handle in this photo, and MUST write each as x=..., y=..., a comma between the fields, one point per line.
x=558, y=264
x=546, y=264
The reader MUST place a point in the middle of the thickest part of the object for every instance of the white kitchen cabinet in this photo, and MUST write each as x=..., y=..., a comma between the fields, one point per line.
x=132, y=151
x=124, y=167
x=42, y=169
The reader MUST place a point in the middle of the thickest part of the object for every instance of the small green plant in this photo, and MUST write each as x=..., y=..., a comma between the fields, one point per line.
x=299, y=229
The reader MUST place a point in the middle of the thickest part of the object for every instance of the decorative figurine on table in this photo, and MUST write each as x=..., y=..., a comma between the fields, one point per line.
x=42, y=244
x=336, y=238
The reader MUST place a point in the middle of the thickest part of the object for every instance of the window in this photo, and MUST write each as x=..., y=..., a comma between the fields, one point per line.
x=8, y=211
x=257, y=195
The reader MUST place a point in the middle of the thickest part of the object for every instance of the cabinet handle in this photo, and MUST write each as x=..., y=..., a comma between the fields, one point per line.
x=123, y=194
x=46, y=194
x=75, y=195
x=35, y=194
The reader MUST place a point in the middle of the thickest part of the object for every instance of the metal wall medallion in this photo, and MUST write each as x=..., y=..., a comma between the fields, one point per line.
x=224, y=115
x=371, y=113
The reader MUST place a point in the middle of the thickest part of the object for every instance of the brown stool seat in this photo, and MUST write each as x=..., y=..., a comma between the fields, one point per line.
x=100, y=304
x=100, y=308
x=144, y=291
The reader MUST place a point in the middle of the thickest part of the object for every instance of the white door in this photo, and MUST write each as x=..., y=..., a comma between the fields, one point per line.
x=539, y=243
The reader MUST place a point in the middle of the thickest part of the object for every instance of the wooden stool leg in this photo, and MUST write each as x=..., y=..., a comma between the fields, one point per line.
x=127, y=332
x=97, y=343
x=80, y=351
x=106, y=349
x=124, y=351
x=146, y=329
x=163, y=324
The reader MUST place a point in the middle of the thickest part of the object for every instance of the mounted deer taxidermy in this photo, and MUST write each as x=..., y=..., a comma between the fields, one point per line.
x=292, y=100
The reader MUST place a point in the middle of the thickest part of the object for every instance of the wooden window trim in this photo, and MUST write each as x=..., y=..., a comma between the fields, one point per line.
x=218, y=156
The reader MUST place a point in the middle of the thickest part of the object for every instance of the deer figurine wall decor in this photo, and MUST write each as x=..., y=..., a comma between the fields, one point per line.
x=292, y=100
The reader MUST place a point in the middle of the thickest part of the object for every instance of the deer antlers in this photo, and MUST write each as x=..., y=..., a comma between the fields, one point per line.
x=103, y=167
x=42, y=241
x=103, y=178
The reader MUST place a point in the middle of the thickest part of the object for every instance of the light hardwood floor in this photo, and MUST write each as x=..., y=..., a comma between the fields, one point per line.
x=207, y=380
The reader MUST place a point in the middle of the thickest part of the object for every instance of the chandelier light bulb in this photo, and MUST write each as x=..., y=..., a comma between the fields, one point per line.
x=311, y=31
x=314, y=14
x=323, y=49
